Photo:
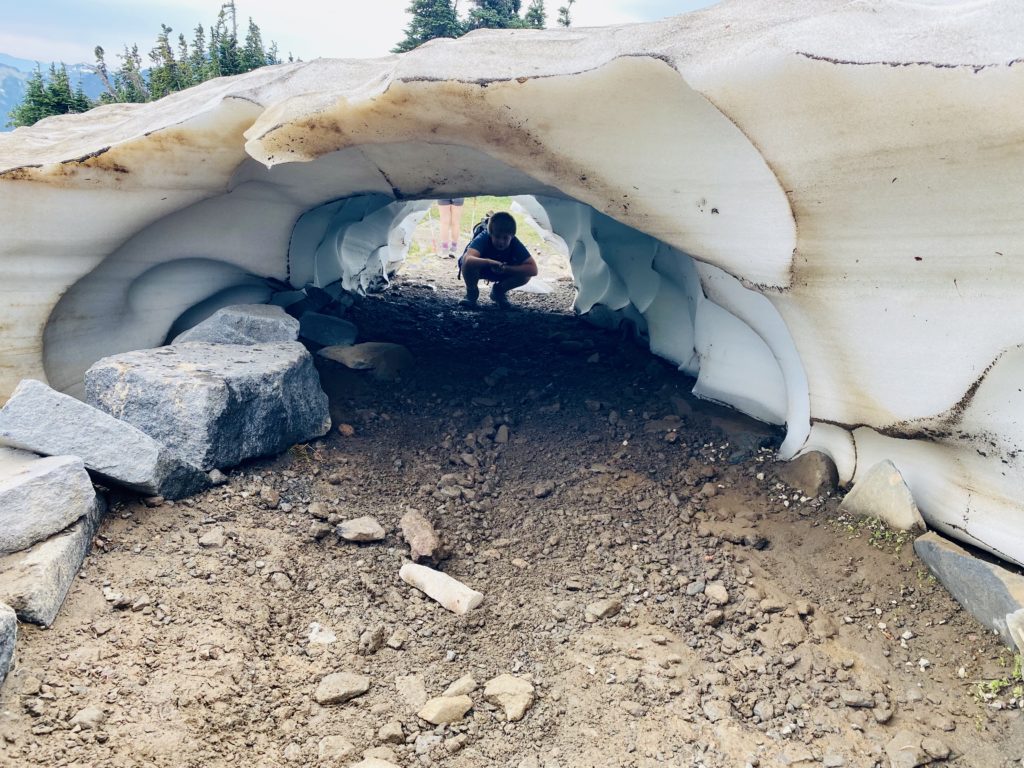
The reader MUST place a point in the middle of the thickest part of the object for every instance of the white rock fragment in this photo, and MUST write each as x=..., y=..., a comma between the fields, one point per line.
x=332, y=748
x=513, y=694
x=445, y=709
x=602, y=609
x=387, y=361
x=364, y=528
x=244, y=324
x=419, y=534
x=450, y=593
x=339, y=687
x=464, y=686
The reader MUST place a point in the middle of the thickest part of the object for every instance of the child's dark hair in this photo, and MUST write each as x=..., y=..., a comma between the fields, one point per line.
x=501, y=223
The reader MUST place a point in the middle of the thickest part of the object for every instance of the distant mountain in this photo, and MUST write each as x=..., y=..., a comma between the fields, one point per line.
x=14, y=74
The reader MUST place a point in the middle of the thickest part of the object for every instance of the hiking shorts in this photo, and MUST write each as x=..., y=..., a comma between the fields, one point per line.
x=452, y=201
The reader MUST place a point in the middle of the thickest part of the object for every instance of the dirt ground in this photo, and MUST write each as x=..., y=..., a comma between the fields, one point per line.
x=754, y=626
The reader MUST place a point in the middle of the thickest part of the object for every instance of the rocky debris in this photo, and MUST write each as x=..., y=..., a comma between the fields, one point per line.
x=386, y=361
x=464, y=686
x=339, y=687
x=244, y=324
x=44, y=421
x=882, y=493
x=989, y=592
x=419, y=534
x=391, y=733
x=735, y=533
x=334, y=748
x=543, y=489
x=813, y=473
x=513, y=694
x=89, y=718
x=450, y=593
x=327, y=331
x=215, y=538
x=445, y=709
x=717, y=593
x=364, y=528
x=39, y=497
x=374, y=762
x=8, y=638
x=211, y=407
x=602, y=609
x=35, y=582
x=909, y=750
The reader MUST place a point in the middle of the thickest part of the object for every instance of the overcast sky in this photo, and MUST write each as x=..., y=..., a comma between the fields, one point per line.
x=69, y=30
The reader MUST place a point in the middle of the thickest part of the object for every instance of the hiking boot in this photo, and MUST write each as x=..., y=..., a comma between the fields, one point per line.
x=499, y=298
x=470, y=301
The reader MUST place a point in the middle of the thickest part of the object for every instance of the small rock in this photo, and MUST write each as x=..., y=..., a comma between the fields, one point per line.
x=543, y=490
x=714, y=618
x=445, y=709
x=464, y=686
x=398, y=639
x=856, y=699
x=391, y=733
x=936, y=749
x=270, y=497
x=153, y=501
x=602, y=609
x=904, y=750
x=346, y=430
x=364, y=528
x=335, y=748
x=215, y=538
x=89, y=718
x=502, y=434
x=513, y=694
x=339, y=687
x=419, y=534
x=717, y=593
x=217, y=477
x=280, y=582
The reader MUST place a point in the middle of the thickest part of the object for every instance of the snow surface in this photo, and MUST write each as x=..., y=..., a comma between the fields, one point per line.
x=813, y=207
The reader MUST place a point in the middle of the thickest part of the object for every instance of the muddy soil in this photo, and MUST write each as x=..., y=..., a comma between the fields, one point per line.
x=745, y=624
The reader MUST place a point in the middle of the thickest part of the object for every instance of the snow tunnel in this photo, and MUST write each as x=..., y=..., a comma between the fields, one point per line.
x=844, y=260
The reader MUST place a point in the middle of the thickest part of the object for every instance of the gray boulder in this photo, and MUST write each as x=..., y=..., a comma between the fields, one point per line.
x=39, y=419
x=35, y=582
x=39, y=497
x=882, y=493
x=214, y=405
x=244, y=324
x=8, y=635
x=327, y=331
x=990, y=593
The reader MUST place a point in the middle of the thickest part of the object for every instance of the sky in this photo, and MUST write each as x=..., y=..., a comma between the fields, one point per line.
x=69, y=30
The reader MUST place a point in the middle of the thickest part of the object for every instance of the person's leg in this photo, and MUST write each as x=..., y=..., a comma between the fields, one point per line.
x=499, y=291
x=454, y=225
x=471, y=276
x=446, y=223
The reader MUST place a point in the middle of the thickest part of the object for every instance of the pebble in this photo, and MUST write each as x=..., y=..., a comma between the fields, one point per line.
x=391, y=733
x=513, y=694
x=340, y=687
x=602, y=609
x=464, y=686
x=361, y=529
x=856, y=699
x=445, y=709
x=270, y=497
x=335, y=748
x=717, y=593
x=89, y=718
x=215, y=538
x=543, y=490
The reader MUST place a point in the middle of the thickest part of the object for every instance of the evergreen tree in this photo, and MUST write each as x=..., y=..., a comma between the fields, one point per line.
x=563, y=13
x=164, y=75
x=225, y=57
x=496, y=14
x=198, y=62
x=253, y=55
x=33, y=107
x=129, y=82
x=536, y=17
x=430, y=19
x=185, y=76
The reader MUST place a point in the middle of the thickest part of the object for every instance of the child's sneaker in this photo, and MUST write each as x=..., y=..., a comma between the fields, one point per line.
x=499, y=298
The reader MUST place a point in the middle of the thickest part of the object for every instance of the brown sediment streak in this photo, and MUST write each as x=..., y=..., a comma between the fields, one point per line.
x=933, y=64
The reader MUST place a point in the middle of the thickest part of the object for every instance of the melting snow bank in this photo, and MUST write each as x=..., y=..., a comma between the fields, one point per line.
x=813, y=207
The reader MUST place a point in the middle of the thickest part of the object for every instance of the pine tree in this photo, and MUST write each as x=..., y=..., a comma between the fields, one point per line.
x=563, y=14
x=430, y=19
x=164, y=75
x=536, y=16
x=253, y=55
x=33, y=107
x=496, y=14
x=224, y=53
x=198, y=62
x=129, y=82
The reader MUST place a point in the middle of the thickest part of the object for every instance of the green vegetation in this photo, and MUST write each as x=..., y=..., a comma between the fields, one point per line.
x=171, y=70
x=878, y=533
x=432, y=19
x=986, y=691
